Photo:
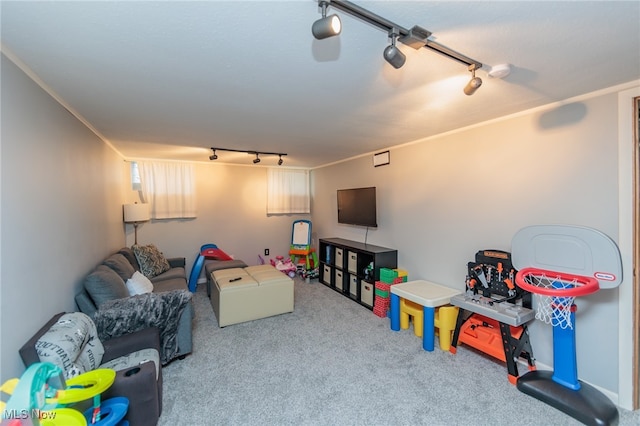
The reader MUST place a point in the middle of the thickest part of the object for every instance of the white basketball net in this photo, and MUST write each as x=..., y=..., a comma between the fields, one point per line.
x=553, y=310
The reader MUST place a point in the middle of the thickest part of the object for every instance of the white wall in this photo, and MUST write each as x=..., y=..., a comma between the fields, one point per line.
x=441, y=200
x=231, y=208
x=62, y=192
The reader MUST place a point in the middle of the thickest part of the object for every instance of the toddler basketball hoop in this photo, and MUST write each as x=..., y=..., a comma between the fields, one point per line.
x=558, y=263
x=555, y=293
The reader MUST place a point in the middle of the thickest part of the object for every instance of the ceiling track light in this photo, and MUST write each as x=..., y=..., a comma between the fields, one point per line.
x=415, y=37
x=473, y=84
x=256, y=153
x=327, y=26
x=392, y=54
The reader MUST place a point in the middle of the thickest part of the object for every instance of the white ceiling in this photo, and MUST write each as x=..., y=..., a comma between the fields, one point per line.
x=169, y=80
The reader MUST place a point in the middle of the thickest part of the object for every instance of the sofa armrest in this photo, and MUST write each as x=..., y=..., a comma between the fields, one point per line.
x=177, y=262
x=148, y=338
x=28, y=351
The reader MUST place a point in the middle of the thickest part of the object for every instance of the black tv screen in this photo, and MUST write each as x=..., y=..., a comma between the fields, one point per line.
x=357, y=207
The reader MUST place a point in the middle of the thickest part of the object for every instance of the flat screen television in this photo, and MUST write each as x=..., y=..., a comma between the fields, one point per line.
x=357, y=206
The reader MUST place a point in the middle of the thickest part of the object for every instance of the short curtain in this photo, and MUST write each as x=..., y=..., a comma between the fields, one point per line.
x=288, y=191
x=169, y=188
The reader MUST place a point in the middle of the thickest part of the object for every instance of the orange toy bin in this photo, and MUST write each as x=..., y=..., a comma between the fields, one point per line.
x=483, y=334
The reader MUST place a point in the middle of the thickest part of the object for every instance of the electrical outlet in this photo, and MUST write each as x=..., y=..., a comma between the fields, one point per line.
x=266, y=252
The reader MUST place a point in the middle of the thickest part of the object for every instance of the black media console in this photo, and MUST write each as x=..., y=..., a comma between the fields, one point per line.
x=352, y=268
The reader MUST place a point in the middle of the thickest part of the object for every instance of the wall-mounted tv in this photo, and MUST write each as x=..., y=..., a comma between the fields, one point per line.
x=357, y=206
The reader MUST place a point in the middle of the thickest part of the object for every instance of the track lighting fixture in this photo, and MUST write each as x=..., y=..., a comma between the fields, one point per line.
x=392, y=54
x=327, y=26
x=256, y=153
x=474, y=83
x=415, y=37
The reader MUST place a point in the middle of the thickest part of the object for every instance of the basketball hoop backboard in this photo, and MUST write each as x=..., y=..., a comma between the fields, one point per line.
x=570, y=249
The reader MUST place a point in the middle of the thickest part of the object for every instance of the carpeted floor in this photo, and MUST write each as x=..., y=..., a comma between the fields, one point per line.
x=333, y=362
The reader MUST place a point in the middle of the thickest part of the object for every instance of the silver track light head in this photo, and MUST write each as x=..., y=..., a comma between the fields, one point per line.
x=327, y=26
x=393, y=55
x=473, y=84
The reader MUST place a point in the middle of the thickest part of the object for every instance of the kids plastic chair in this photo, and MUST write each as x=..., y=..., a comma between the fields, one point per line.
x=301, y=244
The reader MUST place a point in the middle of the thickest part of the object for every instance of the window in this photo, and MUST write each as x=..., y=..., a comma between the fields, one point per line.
x=169, y=188
x=288, y=191
x=135, y=177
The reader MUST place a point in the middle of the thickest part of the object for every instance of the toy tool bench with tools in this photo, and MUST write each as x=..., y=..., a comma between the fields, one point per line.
x=494, y=311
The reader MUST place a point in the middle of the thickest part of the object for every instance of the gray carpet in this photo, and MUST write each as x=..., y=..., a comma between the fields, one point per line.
x=333, y=362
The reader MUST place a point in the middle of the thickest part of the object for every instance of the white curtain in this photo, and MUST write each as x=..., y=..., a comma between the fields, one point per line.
x=288, y=191
x=169, y=188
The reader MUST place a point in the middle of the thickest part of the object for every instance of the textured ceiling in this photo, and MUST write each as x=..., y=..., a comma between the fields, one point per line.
x=168, y=80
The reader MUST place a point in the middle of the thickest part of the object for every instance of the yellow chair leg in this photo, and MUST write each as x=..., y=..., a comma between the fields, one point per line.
x=407, y=308
x=418, y=324
x=446, y=317
x=404, y=320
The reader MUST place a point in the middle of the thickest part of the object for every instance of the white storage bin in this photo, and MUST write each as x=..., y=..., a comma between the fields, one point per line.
x=366, y=293
x=339, y=281
x=326, y=275
x=339, y=261
x=353, y=285
x=352, y=262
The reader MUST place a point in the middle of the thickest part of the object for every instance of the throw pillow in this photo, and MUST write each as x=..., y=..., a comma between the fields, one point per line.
x=72, y=344
x=104, y=284
x=130, y=256
x=152, y=262
x=139, y=284
x=120, y=265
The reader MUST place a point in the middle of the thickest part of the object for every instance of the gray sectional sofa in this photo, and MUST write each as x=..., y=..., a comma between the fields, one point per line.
x=107, y=282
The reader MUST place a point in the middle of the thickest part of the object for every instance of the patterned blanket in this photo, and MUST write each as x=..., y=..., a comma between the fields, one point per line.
x=162, y=310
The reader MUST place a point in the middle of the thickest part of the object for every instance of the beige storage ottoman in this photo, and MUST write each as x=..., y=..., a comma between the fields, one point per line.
x=246, y=294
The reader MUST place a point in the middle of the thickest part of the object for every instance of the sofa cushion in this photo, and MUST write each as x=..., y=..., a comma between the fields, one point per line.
x=130, y=256
x=104, y=284
x=139, y=284
x=72, y=344
x=120, y=265
x=169, y=285
x=134, y=359
x=152, y=262
x=171, y=274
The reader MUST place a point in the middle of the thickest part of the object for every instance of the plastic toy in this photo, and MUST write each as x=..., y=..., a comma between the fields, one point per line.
x=40, y=397
x=557, y=264
x=32, y=400
x=301, y=250
x=284, y=265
